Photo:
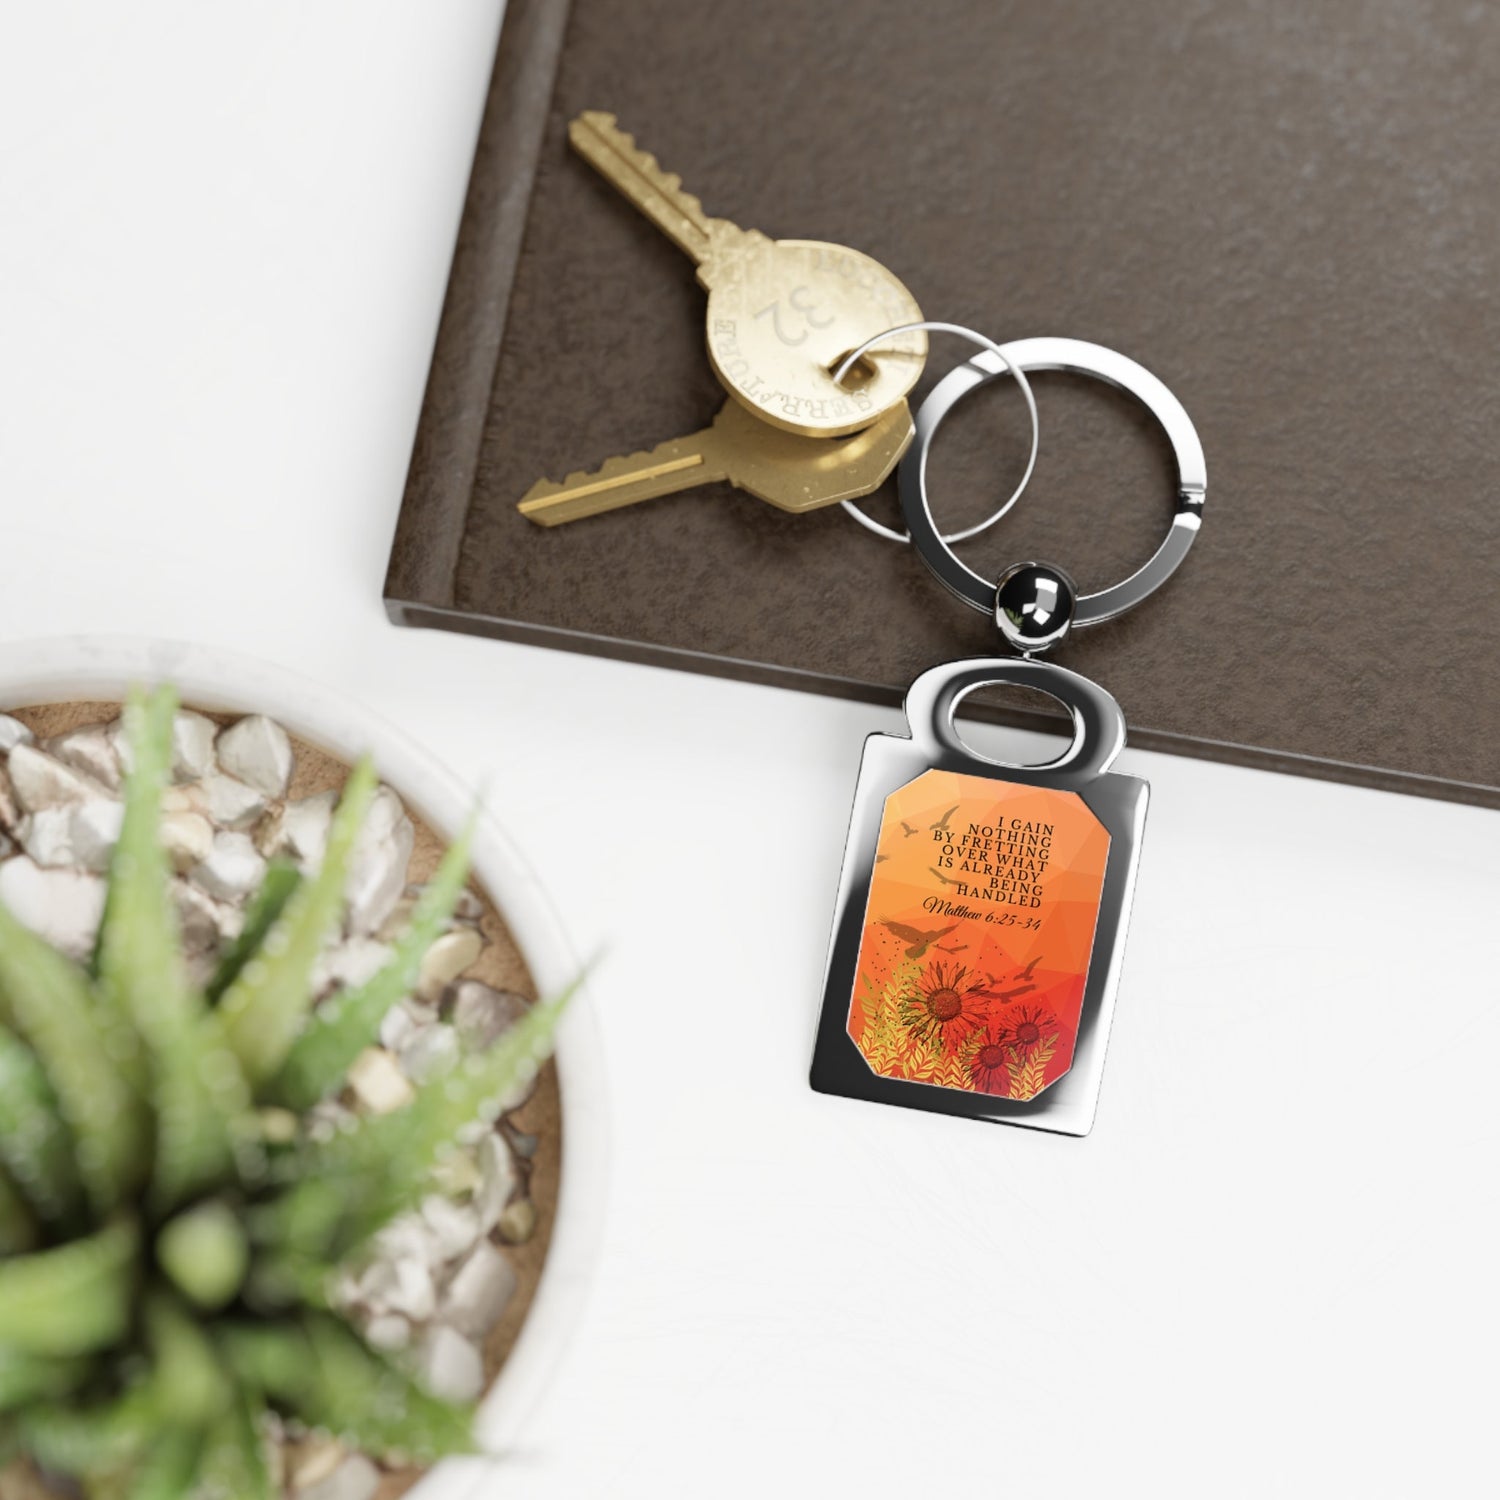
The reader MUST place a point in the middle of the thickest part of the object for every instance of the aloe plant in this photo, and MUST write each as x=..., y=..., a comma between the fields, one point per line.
x=167, y=1244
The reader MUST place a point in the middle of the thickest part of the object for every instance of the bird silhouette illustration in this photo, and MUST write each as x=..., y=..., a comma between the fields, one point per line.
x=908, y=830
x=1020, y=989
x=933, y=871
x=880, y=859
x=942, y=823
x=920, y=941
x=952, y=947
x=1029, y=971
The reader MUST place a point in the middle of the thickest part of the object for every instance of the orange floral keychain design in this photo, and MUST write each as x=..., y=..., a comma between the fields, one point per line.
x=978, y=931
x=980, y=923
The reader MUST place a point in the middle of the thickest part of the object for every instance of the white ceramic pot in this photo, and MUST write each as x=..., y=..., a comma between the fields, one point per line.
x=69, y=670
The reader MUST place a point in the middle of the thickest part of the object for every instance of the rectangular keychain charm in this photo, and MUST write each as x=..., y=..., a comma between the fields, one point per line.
x=980, y=924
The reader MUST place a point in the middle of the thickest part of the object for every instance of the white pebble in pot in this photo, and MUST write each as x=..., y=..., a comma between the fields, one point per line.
x=481, y=1014
x=300, y=829
x=89, y=750
x=228, y=802
x=41, y=781
x=356, y=1478
x=445, y=960
x=454, y=1226
x=233, y=868
x=378, y=1083
x=257, y=752
x=402, y=1019
x=350, y=963
x=10, y=813
x=403, y=1286
x=94, y=829
x=452, y=1368
x=388, y=1331
x=498, y=1179
x=47, y=836
x=62, y=906
x=187, y=837
x=377, y=869
x=12, y=733
x=192, y=745
x=479, y=1292
x=428, y=1052
x=205, y=923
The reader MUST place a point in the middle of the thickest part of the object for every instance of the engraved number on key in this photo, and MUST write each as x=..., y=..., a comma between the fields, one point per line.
x=800, y=300
x=793, y=473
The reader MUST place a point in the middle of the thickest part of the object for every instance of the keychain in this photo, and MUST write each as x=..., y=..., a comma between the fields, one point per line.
x=980, y=923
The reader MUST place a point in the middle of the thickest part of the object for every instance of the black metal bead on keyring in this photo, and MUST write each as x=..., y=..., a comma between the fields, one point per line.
x=1034, y=604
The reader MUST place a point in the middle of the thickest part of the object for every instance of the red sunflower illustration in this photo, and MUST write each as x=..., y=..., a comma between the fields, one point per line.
x=1025, y=1028
x=943, y=1007
x=988, y=1062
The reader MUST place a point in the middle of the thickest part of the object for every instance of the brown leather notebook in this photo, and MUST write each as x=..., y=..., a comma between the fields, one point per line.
x=1291, y=215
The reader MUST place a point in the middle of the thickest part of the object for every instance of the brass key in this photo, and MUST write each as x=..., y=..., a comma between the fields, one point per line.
x=781, y=313
x=793, y=473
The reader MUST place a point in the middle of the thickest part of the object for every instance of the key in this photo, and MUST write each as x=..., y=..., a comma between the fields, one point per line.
x=793, y=473
x=781, y=313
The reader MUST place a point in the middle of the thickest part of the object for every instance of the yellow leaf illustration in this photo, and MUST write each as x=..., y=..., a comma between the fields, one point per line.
x=1027, y=1074
x=883, y=1040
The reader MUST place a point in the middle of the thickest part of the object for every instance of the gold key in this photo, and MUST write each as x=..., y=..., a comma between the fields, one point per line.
x=791, y=472
x=781, y=313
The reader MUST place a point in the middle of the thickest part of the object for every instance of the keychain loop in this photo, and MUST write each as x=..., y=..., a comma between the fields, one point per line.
x=1000, y=363
x=1098, y=724
x=1078, y=358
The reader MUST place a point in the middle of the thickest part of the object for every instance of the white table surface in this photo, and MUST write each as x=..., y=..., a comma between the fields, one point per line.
x=224, y=237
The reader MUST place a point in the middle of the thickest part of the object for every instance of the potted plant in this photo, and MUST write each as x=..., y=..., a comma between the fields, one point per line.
x=256, y=1211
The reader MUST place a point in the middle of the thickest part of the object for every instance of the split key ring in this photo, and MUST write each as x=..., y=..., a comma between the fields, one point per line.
x=1000, y=363
x=1076, y=357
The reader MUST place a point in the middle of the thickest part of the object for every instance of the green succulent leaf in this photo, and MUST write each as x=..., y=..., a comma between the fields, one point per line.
x=375, y=1404
x=267, y=1356
x=140, y=960
x=233, y=1463
x=91, y=1440
x=47, y=1000
x=168, y=1466
x=205, y=1253
x=35, y=1147
x=325, y=1373
x=200, y=1099
x=188, y=1380
x=73, y=1299
x=205, y=1116
x=347, y=1189
x=18, y=1229
x=30, y=1377
x=345, y=1023
x=266, y=1006
x=277, y=887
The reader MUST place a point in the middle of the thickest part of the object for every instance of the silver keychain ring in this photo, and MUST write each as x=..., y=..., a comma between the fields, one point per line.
x=1076, y=358
x=1001, y=364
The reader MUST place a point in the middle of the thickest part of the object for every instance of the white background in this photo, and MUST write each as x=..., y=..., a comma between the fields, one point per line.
x=224, y=237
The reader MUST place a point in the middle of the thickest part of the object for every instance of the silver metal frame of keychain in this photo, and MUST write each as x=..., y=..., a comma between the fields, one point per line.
x=1035, y=606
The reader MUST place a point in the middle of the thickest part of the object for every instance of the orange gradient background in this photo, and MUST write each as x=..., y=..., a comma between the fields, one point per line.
x=990, y=1006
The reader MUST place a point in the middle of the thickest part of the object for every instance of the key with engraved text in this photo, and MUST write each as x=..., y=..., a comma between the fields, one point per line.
x=781, y=313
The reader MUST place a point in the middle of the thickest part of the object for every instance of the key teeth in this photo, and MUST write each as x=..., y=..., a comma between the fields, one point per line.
x=544, y=489
x=598, y=122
